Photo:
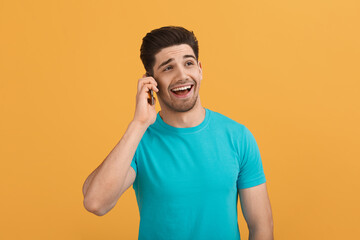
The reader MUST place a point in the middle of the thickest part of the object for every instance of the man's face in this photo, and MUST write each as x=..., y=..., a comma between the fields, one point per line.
x=178, y=75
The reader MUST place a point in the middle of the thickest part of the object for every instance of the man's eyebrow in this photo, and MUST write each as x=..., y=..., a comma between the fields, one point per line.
x=166, y=62
x=190, y=56
x=171, y=59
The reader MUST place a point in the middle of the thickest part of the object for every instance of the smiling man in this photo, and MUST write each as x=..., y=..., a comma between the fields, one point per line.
x=187, y=164
x=182, y=94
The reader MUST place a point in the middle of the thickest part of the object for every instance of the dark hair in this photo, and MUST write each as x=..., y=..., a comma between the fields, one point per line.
x=164, y=37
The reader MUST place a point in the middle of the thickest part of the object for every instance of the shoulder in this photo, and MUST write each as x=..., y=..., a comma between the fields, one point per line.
x=222, y=121
x=238, y=132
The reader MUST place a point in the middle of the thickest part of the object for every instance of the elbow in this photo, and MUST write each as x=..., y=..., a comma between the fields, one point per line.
x=93, y=207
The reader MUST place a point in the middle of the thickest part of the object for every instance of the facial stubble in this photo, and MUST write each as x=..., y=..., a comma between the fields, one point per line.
x=181, y=105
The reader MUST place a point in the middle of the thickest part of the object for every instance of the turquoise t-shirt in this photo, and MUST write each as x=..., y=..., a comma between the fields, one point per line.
x=187, y=179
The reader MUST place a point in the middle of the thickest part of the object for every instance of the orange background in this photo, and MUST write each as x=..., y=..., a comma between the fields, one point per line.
x=288, y=70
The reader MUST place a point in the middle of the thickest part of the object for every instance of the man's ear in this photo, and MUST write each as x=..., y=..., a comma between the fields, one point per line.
x=200, y=68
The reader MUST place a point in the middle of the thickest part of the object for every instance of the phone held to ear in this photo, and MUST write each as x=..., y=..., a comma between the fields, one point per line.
x=151, y=99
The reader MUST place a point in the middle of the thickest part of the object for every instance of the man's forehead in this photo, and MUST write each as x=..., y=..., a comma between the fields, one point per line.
x=173, y=52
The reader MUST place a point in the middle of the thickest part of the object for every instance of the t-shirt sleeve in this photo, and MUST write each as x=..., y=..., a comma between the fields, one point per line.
x=133, y=163
x=251, y=171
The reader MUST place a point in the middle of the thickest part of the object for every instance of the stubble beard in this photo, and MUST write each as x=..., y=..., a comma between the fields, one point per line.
x=181, y=106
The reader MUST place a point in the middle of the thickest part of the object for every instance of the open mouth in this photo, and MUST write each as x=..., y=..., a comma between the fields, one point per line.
x=182, y=91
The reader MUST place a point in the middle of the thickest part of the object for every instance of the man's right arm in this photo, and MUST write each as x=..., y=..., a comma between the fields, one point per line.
x=106, y=183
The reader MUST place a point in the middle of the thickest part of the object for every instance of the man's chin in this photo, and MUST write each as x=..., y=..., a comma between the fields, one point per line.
x=184, y=107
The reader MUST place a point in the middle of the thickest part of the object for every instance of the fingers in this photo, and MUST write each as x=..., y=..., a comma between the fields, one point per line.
x=143, y=95
x=146, y=87
x=146, y=80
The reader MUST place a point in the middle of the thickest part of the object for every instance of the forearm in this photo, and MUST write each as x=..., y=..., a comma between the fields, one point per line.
x=103, y=186
x=89, y=180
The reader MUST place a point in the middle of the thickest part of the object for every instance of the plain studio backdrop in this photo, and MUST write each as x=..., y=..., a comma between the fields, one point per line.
x=288, y=70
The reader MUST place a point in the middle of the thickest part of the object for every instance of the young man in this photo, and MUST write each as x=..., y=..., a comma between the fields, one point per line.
x=187, y=164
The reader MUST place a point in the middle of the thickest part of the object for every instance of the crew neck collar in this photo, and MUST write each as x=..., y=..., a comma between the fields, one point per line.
x=161, y=124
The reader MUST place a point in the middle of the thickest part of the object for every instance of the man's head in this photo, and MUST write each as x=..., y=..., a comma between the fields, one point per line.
x=164, y=37
x=170, y=56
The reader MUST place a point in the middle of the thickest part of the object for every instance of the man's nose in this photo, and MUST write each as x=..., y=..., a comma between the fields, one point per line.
x=181, y=73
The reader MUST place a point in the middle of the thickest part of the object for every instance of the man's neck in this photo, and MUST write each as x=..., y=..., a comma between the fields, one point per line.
x=191, y=118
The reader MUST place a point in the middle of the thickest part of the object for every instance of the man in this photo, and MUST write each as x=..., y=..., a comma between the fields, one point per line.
x=187, y=164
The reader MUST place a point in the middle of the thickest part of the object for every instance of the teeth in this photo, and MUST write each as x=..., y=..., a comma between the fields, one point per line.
x=181, y=88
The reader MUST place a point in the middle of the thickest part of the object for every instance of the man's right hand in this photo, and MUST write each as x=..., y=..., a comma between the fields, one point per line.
x=145, y=113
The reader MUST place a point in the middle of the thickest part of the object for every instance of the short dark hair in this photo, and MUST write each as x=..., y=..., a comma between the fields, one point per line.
x=165, y=37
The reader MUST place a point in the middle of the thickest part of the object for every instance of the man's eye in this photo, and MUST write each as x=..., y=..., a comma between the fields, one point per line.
x=189, y=63
x=167, y=68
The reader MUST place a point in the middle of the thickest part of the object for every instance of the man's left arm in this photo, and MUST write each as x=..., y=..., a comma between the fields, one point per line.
x=256, y=208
